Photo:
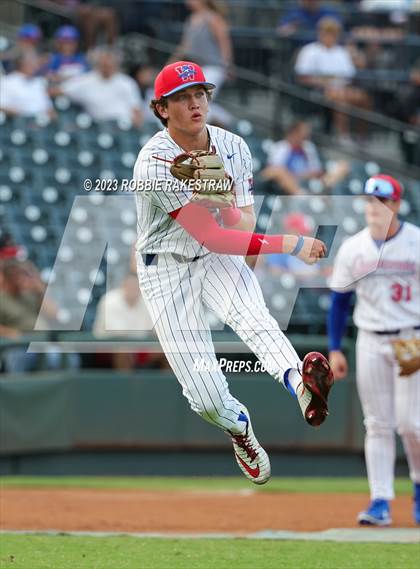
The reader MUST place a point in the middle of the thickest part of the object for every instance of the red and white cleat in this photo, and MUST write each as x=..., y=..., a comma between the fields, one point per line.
x=312, y=392
x=250, y=456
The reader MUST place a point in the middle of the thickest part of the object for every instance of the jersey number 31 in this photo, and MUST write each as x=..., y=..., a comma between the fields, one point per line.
x=400, y=292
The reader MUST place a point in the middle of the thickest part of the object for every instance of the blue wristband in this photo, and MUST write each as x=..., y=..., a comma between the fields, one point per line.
x=299, y=245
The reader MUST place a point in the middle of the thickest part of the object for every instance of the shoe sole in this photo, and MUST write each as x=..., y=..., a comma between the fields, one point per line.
x=370, y=521
x=317, y=378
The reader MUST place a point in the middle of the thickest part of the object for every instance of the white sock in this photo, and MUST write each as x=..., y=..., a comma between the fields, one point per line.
x=293, y=379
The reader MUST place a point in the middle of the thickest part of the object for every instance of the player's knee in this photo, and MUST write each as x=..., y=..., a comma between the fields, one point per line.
x=378, y=428
x=406, y=426
x=209, y=411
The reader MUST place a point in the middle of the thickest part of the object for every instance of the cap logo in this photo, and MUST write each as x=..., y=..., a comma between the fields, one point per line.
x=186, y=72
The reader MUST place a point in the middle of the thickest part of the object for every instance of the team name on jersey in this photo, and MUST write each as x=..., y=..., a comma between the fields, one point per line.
x=373, y=267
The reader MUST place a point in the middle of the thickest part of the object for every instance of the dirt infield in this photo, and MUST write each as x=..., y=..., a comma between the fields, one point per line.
x=180, y=511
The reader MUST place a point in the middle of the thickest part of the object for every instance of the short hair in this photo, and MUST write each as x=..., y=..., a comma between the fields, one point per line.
x=329, y=24
x=164, y=102
x=97, y=52
x=24, y=56
x=296, y=124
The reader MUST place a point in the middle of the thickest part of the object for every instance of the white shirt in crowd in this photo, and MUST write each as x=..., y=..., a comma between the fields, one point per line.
x=316, y=59
x=390, y=6
x=26, y=96
x=114, y=317
x=283, y=154
x=114, y=98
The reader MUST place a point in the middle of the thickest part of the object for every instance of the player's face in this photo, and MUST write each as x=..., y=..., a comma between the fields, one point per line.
x=187, y=110
x=379, y=212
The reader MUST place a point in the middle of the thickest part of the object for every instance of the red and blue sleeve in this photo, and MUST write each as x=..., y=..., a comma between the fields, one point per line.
x=201, y=225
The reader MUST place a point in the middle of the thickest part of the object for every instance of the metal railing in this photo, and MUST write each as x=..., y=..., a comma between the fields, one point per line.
x=275, y=100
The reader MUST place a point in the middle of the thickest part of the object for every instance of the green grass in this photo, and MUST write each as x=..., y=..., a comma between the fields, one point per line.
x=305, y=485
x=69, y=552
x=76, y=552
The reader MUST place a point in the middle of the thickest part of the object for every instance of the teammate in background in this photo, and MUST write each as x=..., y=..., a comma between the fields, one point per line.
x=186, y=261
x=387, y=309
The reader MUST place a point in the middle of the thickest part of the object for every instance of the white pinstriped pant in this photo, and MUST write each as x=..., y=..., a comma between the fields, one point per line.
x=176, y=295
x=390, y=403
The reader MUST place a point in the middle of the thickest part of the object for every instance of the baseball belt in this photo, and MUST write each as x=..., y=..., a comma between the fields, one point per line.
x=392, y=332
x=152, y=258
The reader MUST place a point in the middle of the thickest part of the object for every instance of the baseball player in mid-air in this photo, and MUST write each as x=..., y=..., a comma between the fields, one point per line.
x=381, y=264
x=190, y=259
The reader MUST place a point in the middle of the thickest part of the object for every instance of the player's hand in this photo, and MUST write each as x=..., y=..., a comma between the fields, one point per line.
x=338, y=364
x=312, y=250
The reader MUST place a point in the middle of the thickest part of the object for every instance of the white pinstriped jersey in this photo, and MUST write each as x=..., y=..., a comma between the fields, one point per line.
x=385, y=277
x=157, y=231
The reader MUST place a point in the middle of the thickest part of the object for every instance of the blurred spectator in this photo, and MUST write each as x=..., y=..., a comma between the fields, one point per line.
x=6, y=331
x=328, y=67
x=375, y=55
x=22, y=93
x=123, y=312
x=22, y=306
x=385, y=5
x=295, y=160
x=105, y=92
x=398, y=10
x=9, y=249
x=408, y=110
x=325, y=60
x=22, y=295
x=305, y=17
x=94, y=20
x=409, y=101
x=27, y=40
x=66, y=61
x=144, y=75
x=206, y=41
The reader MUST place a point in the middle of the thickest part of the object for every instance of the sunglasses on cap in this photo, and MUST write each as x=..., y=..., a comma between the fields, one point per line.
x=381, y=188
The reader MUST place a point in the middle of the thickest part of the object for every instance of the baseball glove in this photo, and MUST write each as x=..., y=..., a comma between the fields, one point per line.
x=407, y=353
x=204, y=173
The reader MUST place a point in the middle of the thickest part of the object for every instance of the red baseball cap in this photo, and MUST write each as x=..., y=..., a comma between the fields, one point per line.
x=177, y=76
x=383, y=186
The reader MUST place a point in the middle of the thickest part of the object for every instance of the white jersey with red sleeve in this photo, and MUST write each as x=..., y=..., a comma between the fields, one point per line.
x=161, y=193
x=385, y=277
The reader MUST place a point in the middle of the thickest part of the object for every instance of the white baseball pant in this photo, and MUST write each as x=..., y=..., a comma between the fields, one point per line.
x=176, y=295
x=390, y=403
